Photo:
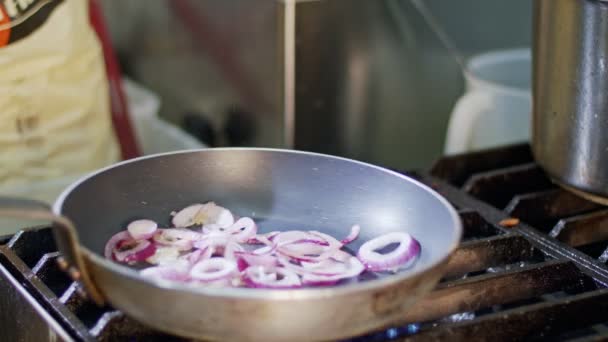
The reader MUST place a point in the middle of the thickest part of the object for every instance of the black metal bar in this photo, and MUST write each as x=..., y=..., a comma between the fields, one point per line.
x=475, y=293
x=546, y=244
x=49, y=273
x=43, y=294
x=115, y=326
x=495, y=251
x=22, y=242
x=475, y=226
x=543, y=209
x=534, y=321
x=497, y=187
x=582, y=229
x=456, y=169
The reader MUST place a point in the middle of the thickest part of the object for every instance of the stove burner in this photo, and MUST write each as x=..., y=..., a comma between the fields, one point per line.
x=544, y=278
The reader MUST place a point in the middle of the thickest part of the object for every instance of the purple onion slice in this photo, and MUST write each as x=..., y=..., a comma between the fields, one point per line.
x=401, y=257
x=213, y=269
x=142, y=229
x=113, y=242
x=134, y=251
x=203, y=214
x=183, y=239
x=352, y=236
x=271, y=277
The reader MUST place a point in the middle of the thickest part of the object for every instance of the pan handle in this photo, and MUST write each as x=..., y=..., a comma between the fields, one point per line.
x=65, y=235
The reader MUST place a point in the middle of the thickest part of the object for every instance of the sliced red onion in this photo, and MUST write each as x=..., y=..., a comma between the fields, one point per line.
x=185, y=217
x=259, y=240
x=332, y=243
x=208, y=213
x=142, y=229
x=180, y=238
x=352, y=236
x=271, y=277
x=217, y=241
x=166, y=273
x=247, y=259
x=198, y=255
x=243, y=229
x=287, y=259
x=213, y=228
x=327, y=268
x=220, y=283
x=306, y=250
x=403, y=256
x=340, y=255
x=163, y=255
x=231, y=248
x=338, y=271
x=306, y=246
x=289, y=237
x=265, y=239
x=114, y=240
x=134, y=251
x=264, y=250
x=213, y=269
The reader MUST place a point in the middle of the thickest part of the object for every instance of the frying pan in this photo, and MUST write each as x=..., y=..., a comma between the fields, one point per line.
x=281, y=190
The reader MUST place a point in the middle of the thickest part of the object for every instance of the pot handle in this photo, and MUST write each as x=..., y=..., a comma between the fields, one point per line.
x=65, y=235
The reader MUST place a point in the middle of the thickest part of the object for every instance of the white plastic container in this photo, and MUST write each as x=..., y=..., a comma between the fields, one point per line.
x=495, y=108
x=154, y=135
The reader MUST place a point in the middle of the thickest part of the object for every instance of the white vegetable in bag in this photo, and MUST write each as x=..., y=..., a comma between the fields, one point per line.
x=54, y=102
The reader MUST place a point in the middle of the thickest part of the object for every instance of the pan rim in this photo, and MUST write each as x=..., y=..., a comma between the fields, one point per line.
x=266, y=294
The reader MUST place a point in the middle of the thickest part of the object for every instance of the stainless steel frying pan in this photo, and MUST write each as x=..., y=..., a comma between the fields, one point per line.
x=281, y=190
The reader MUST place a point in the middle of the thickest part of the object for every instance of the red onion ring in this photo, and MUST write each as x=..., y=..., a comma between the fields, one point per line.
x=306, y=246
x=142, y=229
x=403, y=256
x=243, y=229
x=247, y=259
x=352, y=268
x=263, y=239
x=306, y=251
x=217, y=241
x=289, y=237
x=166, y=273
x=180, y=238
x=185, y=217
x=332, y=242
x=352, y=236
x=163, y=255
x=134, y=251
x=231, y=248
x=287, y=259
x=208, y=213
x=108, y=251
x=198, y=255
x=274, y=278
x=328, y=270
x=213, y=269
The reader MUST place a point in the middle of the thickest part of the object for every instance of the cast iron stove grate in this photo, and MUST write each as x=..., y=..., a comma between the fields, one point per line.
x=543, y=279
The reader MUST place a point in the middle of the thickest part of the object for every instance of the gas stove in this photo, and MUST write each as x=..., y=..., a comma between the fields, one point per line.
x=531, y=265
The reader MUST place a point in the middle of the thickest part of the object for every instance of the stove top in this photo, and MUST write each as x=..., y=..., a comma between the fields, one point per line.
x=532, y=265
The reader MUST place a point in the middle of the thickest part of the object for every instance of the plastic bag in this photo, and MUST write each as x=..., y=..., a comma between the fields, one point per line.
x=54, y=103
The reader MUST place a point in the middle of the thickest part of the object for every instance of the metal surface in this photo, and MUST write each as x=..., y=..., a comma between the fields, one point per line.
x=366, y=79
x=502, y=283
x=490, y=177
x=65, y=235
x=22, y=318
x=280, y=189
x=570, y=69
